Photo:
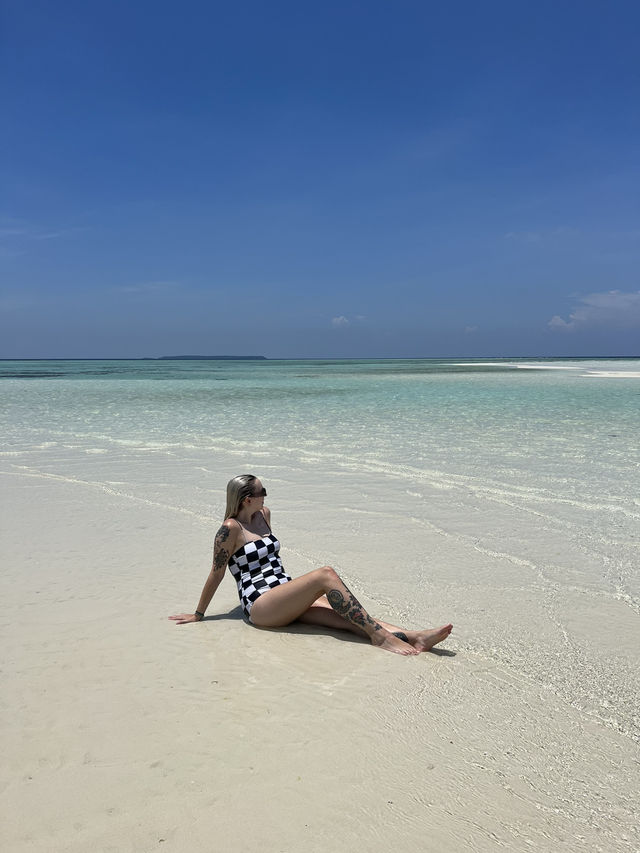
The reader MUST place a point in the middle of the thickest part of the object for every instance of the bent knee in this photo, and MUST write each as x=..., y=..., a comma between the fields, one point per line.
x=328, y=574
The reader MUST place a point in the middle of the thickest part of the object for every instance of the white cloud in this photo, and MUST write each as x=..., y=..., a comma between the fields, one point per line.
x=470, y=329
x=341, y=322
x=556, y=322
x=612, y=309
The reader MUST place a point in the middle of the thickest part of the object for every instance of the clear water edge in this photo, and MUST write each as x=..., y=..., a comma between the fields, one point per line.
x=520, y=477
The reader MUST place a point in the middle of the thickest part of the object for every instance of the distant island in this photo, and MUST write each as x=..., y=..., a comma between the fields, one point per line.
x=213, y=357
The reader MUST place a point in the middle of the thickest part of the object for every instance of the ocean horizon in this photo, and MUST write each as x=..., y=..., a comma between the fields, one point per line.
x=334, y=358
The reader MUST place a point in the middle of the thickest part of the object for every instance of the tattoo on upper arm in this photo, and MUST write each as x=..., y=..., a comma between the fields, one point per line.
x=222, y=535
x=220, y=554
x=220, y=559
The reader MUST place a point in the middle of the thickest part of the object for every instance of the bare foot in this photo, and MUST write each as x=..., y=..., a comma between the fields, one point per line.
x=392, y=644
x=425, y=640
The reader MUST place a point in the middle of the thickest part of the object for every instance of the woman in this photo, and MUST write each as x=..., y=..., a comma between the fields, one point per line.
x=271, y=599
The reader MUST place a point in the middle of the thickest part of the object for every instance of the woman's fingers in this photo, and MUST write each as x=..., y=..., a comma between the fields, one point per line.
x=183, y=618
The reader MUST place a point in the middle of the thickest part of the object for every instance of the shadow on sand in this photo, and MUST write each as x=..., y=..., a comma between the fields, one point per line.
x=236, y=614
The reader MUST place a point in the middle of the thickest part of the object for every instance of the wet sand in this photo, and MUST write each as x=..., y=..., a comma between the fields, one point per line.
x=124, y=732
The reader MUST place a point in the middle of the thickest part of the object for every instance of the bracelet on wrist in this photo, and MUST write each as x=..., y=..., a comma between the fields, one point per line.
x=201, y=615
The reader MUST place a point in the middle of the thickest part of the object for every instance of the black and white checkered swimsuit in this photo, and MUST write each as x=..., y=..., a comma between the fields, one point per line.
x=257, y=568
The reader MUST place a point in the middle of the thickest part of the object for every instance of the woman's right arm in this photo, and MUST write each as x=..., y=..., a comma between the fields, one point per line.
x=223, y=548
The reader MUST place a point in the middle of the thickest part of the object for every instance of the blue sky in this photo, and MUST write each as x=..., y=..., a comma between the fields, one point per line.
x=336, y=179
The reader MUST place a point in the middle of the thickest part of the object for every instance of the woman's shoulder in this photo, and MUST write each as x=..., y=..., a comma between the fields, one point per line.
x=228, y=535
x=230, y=529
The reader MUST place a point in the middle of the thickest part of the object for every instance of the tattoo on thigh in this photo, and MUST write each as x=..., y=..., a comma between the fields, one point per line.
x=401, y=636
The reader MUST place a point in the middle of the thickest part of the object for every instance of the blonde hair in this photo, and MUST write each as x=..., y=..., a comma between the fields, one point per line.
x=238, y=489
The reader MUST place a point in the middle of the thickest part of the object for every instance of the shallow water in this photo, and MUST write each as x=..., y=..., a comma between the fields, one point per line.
x=502, y=495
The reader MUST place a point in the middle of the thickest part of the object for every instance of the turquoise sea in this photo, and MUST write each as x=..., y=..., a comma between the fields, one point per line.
x=503, y=495
x=570, y=426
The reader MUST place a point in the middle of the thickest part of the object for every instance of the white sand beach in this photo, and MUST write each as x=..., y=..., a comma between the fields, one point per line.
x=384, y=258
x=124, y=732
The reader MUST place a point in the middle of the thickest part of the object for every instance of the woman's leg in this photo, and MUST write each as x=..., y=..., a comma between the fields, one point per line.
x=284, y=604
x=321, y=613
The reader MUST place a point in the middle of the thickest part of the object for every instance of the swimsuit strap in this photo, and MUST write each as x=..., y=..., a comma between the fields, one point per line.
x=244, y=533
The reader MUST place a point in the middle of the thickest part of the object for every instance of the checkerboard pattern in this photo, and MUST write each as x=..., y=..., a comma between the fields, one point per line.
x=257, y=568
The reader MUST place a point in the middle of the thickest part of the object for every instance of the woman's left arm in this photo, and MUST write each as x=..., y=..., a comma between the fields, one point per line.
x=224, y=542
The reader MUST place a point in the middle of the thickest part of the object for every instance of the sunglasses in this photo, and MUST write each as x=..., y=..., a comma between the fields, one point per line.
x=261, y=494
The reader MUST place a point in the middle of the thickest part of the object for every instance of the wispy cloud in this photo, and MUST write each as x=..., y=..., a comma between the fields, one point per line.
x=18, y=232
x=12, y=232
x=546, y=234
x=524, y=236
x=52, y=235
x=6, y=252
x=612, y=309
x=148, y=287
x=444, y=141
x=11, y=302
